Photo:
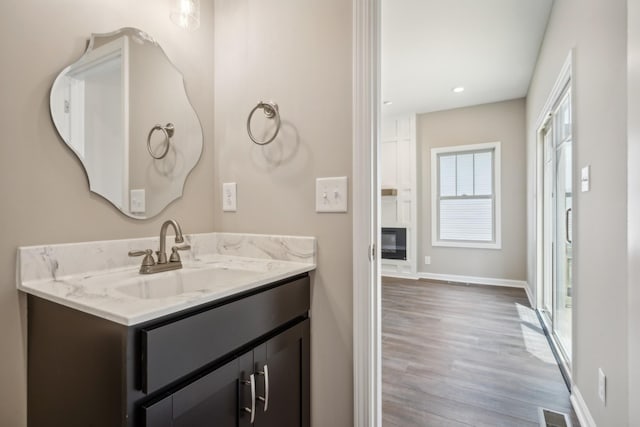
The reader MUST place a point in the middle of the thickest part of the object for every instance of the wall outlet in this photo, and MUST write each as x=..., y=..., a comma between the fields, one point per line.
x=602, y=386
x=137, y=201
x=427, y=260
x=229, y=200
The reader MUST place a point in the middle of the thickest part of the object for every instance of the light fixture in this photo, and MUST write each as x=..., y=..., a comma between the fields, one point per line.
x=458, y=89
x=387, y=102
x=185, y=13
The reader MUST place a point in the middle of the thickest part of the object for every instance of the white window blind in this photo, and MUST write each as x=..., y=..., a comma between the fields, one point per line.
x=465, y=199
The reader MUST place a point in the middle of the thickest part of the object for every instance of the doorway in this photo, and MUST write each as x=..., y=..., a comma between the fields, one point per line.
x=556, y=283
x=368, y=104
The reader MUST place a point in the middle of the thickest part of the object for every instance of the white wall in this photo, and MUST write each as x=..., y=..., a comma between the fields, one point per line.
x=398, y=159
x=43, y=188
x=297, y=53
x=500, y=121
x=596, y=30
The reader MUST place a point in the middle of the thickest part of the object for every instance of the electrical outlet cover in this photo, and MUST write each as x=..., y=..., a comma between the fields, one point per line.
x=137, y=198
x=229, y=197
x=602, y=386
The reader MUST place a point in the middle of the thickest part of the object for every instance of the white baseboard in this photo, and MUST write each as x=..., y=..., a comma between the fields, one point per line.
x=579, y=405
x=397, y=275
x=475, y=280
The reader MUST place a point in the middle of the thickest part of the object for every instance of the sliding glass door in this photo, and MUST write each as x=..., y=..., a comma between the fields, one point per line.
x=557, y=224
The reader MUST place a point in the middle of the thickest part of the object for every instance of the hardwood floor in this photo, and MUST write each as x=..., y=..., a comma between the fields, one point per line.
x=464, y=355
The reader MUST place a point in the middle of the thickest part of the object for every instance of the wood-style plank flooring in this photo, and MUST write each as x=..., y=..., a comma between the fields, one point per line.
x=464, y=355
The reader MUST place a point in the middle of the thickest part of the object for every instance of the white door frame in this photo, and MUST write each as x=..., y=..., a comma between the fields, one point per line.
x=366, y=220
x=564, y=78
x=366, y=207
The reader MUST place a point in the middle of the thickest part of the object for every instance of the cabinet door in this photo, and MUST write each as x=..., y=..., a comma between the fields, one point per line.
x=282, y=387
x=266, y=387
x=210, y=400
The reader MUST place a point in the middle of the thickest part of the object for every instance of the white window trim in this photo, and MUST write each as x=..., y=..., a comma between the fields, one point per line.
x=497, y=190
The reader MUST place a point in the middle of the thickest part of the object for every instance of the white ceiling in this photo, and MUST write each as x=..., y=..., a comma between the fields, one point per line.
x=431, y=46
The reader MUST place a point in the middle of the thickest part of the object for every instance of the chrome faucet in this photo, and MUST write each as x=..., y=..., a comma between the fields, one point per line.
x=162, y=255
x=149, y=265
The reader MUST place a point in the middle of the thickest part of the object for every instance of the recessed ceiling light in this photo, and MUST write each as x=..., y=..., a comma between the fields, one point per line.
x=387, y=102
x=458, y=89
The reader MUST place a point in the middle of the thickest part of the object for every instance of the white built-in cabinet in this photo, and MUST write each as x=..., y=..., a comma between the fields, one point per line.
x=398, y=172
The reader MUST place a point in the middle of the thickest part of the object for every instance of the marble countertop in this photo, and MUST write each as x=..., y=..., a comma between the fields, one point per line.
x=100, y=279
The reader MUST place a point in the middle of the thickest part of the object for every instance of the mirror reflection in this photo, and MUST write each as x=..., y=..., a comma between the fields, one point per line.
x=123, y=110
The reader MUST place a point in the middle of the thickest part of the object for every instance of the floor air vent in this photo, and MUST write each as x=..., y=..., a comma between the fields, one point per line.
x=549, y=418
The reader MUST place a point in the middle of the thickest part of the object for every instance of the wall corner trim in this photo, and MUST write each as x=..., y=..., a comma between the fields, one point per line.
x=367, y=347
x=582, y=411
x=476, y=280
x=527, y=289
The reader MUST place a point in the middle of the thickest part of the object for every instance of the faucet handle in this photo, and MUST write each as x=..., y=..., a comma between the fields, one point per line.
x=148, y=258
x=175, y=257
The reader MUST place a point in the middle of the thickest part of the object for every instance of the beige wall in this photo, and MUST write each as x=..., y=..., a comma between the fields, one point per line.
x=297, y=53
x=500, y=121
x=596, y=29
x=633, y=304
x=44, y=191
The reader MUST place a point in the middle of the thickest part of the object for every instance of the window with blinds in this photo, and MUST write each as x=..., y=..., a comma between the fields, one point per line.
x=465, y=196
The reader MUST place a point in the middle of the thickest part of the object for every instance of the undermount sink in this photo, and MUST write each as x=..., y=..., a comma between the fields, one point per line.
x=185, y=281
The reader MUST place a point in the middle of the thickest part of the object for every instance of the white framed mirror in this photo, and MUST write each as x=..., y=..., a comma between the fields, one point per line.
x=122, y=108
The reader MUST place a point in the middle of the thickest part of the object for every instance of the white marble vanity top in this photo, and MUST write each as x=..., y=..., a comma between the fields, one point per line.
x=100, y=278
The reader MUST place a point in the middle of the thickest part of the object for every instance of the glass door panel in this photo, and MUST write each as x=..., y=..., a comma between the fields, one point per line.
x=549, y=172
x=557, y=210
x=563, y=248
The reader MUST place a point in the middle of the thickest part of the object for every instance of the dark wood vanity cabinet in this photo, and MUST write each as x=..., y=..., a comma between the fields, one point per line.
x=269, y=382
x=229, y=363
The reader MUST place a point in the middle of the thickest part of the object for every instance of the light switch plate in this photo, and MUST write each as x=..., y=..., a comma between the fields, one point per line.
x=229, y=197
x=331, y=194
x=585, y=179
x=137, y=201
x=602, y=386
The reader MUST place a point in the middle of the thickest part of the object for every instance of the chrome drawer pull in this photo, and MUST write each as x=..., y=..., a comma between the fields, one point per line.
x=252, y=410
x=265, y=399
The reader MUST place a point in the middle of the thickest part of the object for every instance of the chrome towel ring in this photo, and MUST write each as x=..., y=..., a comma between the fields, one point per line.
x=270, y=111
x=168, y=132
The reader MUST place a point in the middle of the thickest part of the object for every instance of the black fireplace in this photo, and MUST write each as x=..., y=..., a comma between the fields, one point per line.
x=394, y=243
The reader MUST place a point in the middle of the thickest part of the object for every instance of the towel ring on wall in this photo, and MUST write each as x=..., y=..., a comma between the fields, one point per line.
x=270, y=111
x=168, y=132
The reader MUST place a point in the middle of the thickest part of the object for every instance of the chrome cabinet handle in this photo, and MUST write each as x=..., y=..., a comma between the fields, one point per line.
x=566, y=226
x=252, y=384
x=265, y=399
